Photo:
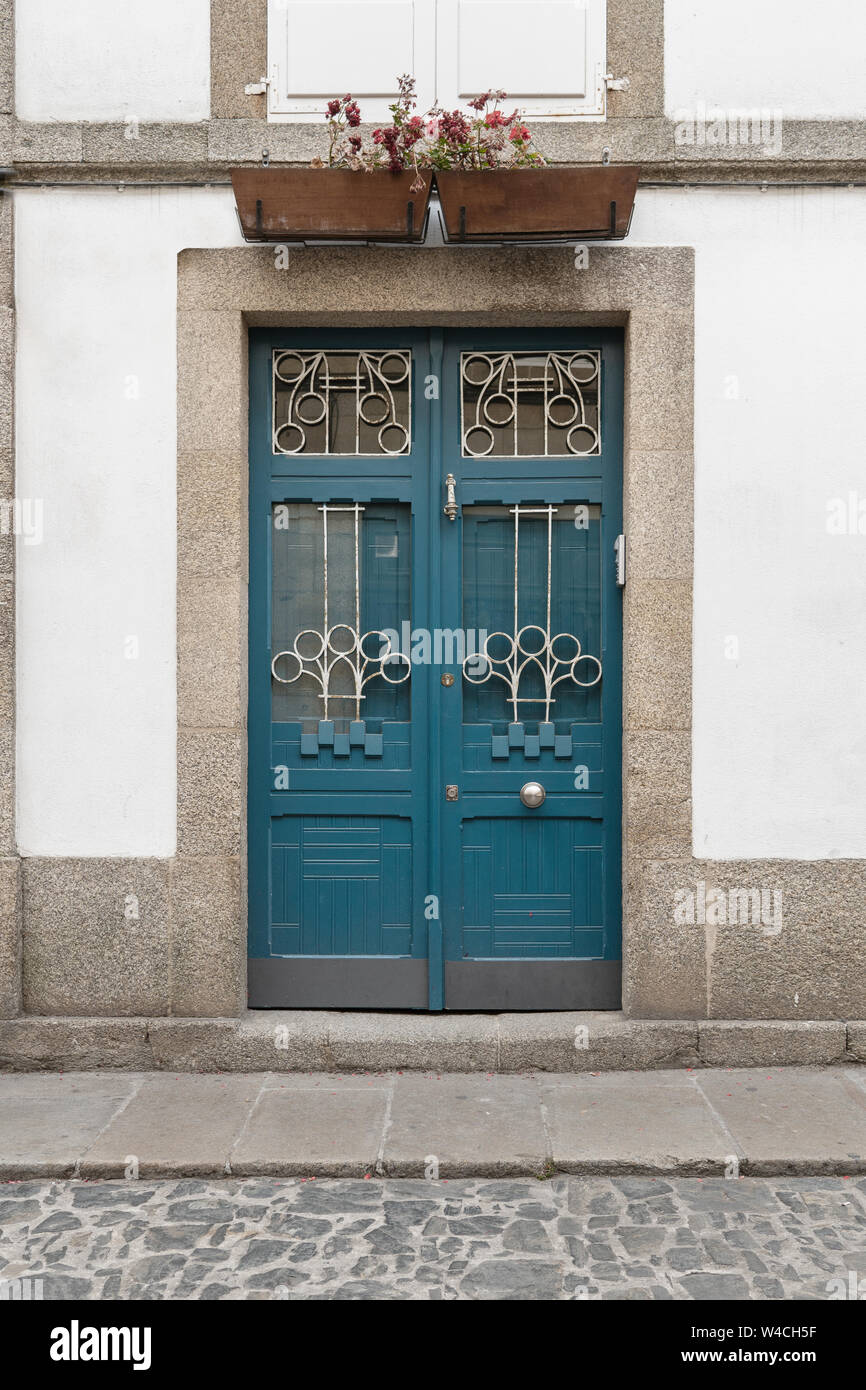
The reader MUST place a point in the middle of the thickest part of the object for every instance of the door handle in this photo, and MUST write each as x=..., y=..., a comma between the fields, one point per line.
x=450, y=508
x=532, y=794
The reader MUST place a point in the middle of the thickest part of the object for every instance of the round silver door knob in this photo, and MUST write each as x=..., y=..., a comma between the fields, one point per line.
x=532, y=794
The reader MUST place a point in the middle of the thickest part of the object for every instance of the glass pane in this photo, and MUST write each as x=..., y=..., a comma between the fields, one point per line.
x=543, y=632
x=538, y=404
x=342, y=402
x=341, y=600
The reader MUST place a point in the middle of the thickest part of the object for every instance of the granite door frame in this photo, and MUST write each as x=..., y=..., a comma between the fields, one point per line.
x=649, y=292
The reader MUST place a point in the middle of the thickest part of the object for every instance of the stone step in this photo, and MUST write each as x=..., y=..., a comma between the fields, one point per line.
x=330, y=1041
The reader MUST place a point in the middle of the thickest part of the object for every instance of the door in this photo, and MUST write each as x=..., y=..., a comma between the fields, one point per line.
x=435, y=669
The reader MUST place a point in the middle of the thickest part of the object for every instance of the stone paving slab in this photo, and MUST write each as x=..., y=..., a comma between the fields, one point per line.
x=647, y=1122
x=174, y=1125
x=791, y=1120
x=457, y=1126
x=41, y=1138
x=567, y=1238
x=787, y=1118
x=330, y=1126
x=48, y=1121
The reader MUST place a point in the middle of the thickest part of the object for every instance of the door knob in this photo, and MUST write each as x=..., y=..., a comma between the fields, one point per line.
x=532, y=794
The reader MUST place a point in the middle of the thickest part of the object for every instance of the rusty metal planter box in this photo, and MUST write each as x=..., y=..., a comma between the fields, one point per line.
x=538, y=204
x=330, y=205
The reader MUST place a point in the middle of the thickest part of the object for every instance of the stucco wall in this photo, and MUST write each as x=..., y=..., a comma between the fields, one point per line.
x=779, y=767
x=779, y=763
x=96, y=391
x=793, y=55
x=101, y=60
x=153, y=62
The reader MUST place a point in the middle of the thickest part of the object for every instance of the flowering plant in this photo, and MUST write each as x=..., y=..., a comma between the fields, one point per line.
x=485, y=138
x=489, y=139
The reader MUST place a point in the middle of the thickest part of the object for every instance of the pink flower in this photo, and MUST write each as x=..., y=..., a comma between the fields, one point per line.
x=432, y=129
x=519, y=132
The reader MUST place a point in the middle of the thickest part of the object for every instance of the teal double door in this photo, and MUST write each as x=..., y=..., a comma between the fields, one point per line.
x=435, y=672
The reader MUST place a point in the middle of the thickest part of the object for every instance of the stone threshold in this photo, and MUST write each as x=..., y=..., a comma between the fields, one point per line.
x=330, y=1041
x=712, y=1122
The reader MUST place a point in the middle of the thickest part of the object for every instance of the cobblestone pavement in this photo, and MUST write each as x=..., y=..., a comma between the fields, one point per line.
x=565, y=1238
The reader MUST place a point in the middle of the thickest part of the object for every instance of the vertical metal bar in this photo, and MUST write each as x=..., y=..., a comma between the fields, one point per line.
x=549, y=557
x=549, y=655
x=326, y=675
x=546, y=367
x=357, y=614
x=515, y=657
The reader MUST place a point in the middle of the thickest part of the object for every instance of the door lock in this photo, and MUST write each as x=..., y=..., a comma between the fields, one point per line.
x=452, y=793
x=447, y=678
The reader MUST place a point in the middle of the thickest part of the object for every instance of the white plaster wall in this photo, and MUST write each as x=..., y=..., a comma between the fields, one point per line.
x=779, y=744
x=112, y=60
x=96, y=275
x=779, y=740
x=803, y=58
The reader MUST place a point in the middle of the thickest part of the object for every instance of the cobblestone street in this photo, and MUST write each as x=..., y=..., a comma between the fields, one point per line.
x=565, y=1238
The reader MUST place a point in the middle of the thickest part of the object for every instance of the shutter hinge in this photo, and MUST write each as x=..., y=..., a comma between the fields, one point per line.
x=257, y=89
x=616, y=84
x=619, y=560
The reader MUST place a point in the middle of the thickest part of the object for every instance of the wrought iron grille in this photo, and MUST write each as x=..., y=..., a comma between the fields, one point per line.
x=531, y=650
x=342, y=402
x=340, y=654
x=530, y=404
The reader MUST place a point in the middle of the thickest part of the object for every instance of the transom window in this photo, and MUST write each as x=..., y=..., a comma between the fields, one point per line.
x=529, y=404
x=342, y=402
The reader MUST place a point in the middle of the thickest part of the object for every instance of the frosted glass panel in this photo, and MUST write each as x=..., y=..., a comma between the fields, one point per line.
x=341, y=580
x=544, y=659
